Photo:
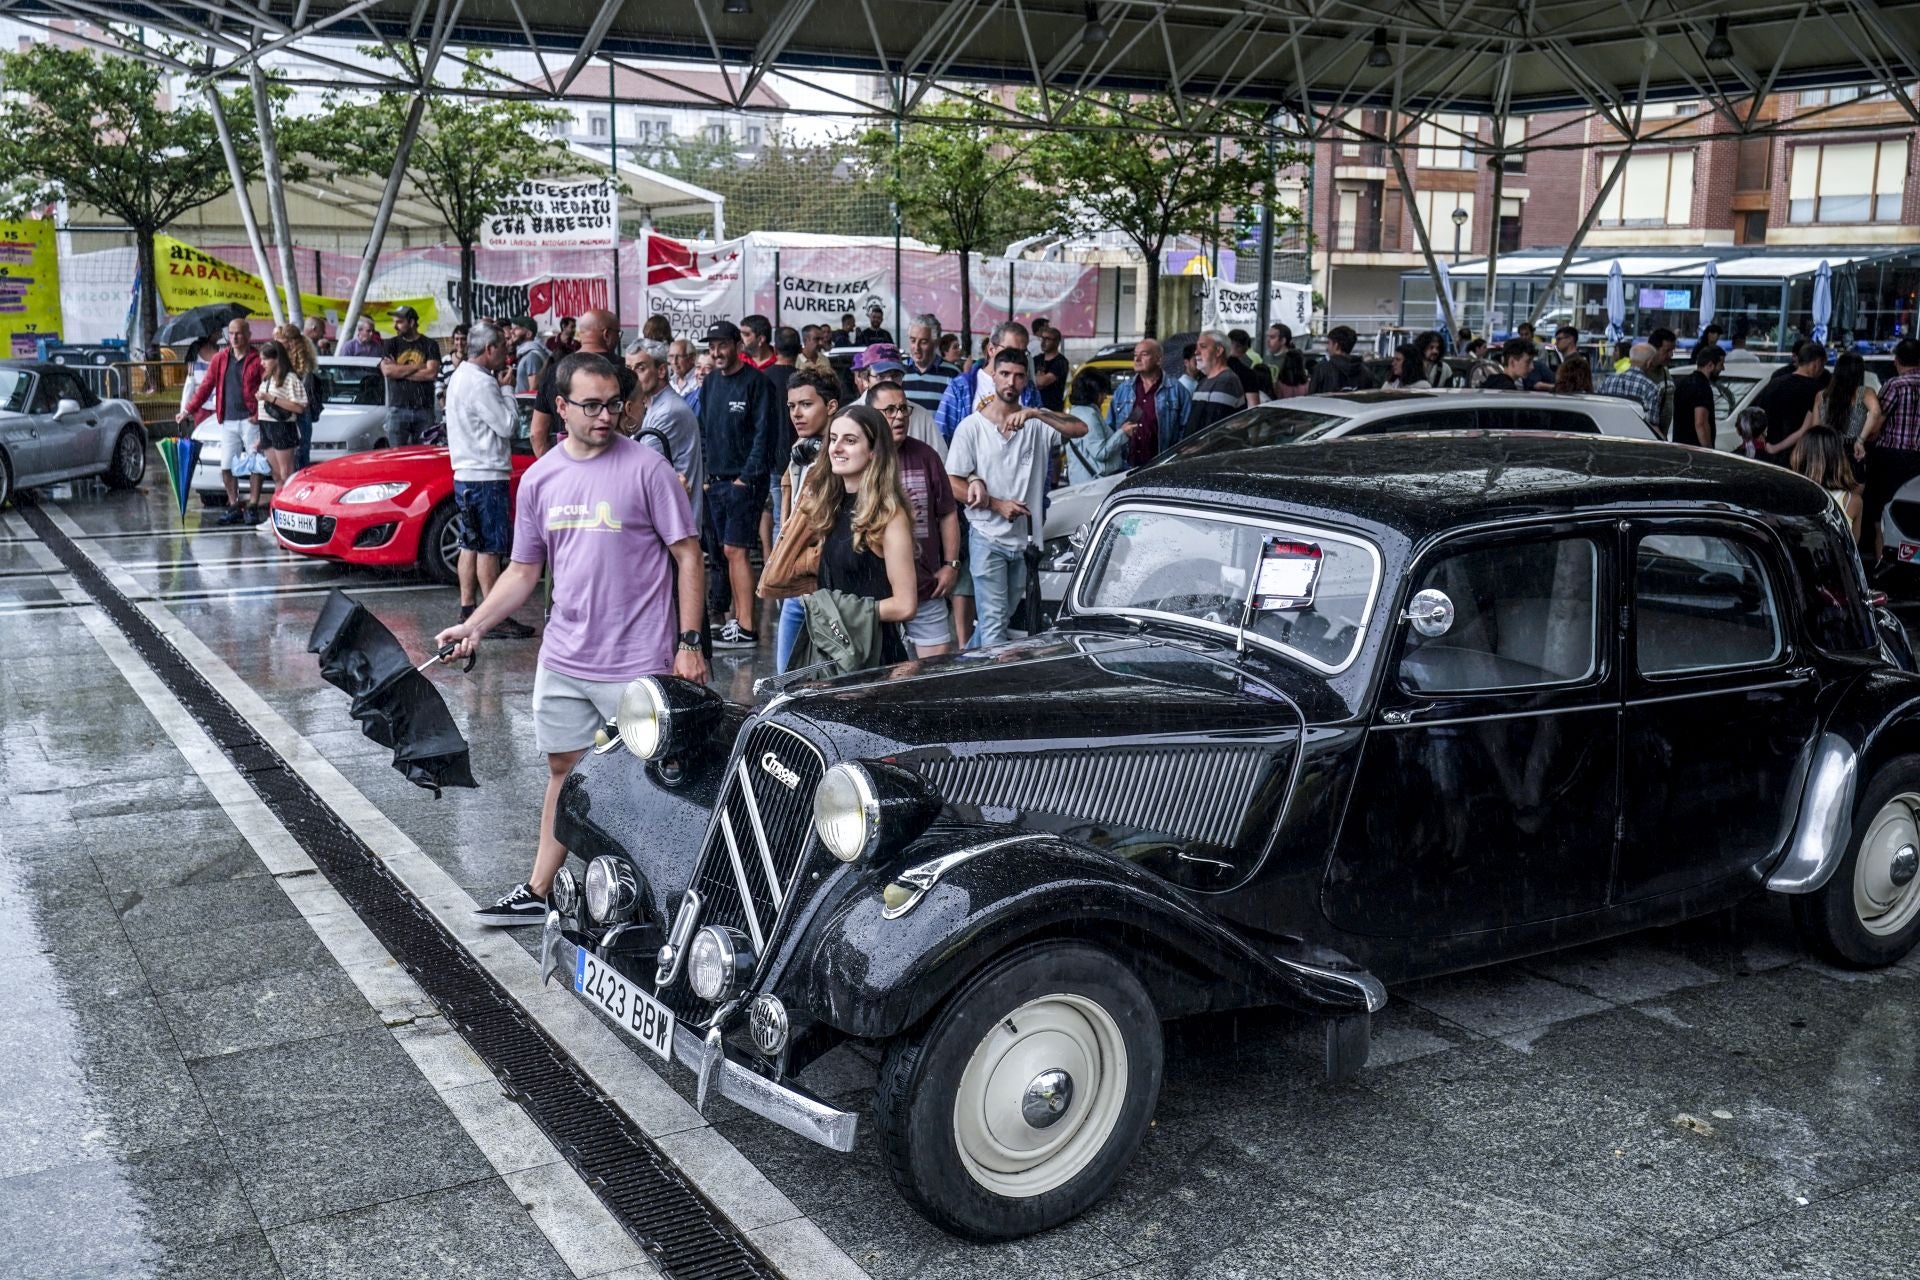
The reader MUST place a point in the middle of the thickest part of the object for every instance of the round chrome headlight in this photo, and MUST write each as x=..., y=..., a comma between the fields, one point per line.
x=612, y=890
x=644, y=717
x=719, y=962
x=846, y=812
x=564, y=896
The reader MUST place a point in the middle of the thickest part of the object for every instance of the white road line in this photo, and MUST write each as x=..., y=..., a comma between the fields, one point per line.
x=793, y=1242
x=288, y=593
x=582, y=1231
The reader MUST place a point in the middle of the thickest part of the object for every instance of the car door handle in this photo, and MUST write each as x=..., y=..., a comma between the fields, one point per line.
x=1399, y=716
x=1800, y=673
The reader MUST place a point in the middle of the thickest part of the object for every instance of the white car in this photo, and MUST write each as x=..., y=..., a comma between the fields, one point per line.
x=1354, y=413
x=353, y=420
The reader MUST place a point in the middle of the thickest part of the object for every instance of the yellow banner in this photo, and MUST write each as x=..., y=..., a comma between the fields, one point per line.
x=29, y=287
x=190, y=278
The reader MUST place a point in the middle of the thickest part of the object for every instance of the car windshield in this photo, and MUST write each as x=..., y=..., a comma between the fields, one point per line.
x=1254, y=428
x=1167, y=563
x=15, y=387
x=351, y=384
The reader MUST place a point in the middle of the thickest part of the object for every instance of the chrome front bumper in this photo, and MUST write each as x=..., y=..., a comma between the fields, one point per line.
x=784, y=1103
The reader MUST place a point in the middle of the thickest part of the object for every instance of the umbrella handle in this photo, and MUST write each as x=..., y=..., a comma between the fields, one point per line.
x=445, y=654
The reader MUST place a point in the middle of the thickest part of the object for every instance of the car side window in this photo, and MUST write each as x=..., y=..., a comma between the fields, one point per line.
x=58, y=384
x=1536, y=418
x=1450, y=420
x=1522, y=615
x=1701, y=603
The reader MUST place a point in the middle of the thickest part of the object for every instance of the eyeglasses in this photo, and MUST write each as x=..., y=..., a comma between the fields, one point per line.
x=594, y=408
x=897, y=410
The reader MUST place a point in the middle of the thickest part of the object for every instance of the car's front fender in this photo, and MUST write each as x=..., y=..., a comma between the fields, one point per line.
x=887, y=956
x=1878, y=718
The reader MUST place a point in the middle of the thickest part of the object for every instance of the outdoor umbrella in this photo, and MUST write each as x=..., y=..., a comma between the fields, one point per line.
x=1616, y=305
x=1440, y=299
x=396, y=705
x=1846, y=299
x=1709, y=293
x=201, y=322
x=1822, y=301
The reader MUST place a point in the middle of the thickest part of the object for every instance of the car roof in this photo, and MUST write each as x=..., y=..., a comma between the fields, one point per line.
x=352, y=362
x=1421, y=484
x=38, y=366
x=1386, y=404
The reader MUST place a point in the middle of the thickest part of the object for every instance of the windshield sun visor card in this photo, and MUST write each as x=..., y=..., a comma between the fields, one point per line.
x=1289, y=573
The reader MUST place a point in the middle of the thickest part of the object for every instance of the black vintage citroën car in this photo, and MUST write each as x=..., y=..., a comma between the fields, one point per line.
x=1314, y=720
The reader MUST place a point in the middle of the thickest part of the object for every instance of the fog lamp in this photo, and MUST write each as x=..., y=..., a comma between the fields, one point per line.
x=719, y=962
x=564, y=896
x=612, y=890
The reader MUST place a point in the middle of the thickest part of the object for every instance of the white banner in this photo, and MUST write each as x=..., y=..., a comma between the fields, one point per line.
x=1237, y=306
x=544, y=214
x=693, y=288
x=810, y=295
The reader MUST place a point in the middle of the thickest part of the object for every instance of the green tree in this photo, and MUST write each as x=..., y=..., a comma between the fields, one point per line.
x=1126, y=165
x=964, y=184
x=99, y=130
x=469, y=157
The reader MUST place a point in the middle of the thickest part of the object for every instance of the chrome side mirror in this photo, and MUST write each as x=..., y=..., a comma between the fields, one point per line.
x=1430, y=612
x=65, y=407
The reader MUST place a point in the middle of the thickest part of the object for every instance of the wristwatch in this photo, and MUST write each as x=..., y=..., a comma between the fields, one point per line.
x=951, y=564
x=690, y=640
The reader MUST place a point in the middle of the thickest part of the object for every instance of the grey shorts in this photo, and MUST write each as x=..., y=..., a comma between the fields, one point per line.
x=931, y=623
x=568, y=711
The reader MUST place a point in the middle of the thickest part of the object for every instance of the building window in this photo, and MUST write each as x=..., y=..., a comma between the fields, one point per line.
x=1753, y=227
x=1349, y=145
x=716, y=131
x=651, y=128
x=1443, y=141
x=753, y=135
x=1655, y=191
x=1753, y=165
x=597, y=126
x=1513, y=139
x=1512, y=210
x=1848, y=182
x=1830, y=97
x=1436, y=211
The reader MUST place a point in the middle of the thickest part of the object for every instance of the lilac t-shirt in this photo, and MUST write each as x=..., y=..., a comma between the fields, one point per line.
x=604, y=526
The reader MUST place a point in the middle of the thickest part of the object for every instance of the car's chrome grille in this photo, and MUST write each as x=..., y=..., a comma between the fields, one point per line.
x=1201, y=793
x=756, y=846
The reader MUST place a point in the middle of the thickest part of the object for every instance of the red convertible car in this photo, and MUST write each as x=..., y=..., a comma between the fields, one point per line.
x=389, y=507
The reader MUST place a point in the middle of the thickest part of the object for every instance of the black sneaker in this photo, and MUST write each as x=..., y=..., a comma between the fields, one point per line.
x=232, y=515
x=256, y=514
x=520, y=906
x=735, y=636
x=511, y=629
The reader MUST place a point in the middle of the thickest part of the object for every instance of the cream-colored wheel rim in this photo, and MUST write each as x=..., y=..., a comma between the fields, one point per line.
x=1040, y=1096
x=1886, y=875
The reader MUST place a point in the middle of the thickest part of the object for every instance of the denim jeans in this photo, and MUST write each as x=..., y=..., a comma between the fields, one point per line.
x=793, y=616
x=999, y=576
x=405, y=426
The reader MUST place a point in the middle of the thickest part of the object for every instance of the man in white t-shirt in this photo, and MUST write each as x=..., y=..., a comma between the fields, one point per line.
x=999, y=471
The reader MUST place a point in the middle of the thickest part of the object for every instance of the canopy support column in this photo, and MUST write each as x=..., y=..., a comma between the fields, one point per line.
x=1545, y=299
x=1501, y=116
x=378, y=234
x=1426, y=246
x=276, y=193
x=238, y=175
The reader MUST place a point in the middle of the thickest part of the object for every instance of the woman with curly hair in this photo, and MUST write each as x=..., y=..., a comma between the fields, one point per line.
x=1575, y=377
x=857, y=509
x=305, y=363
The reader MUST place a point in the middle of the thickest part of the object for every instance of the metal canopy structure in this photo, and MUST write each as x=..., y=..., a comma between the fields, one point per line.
x=1290, y=68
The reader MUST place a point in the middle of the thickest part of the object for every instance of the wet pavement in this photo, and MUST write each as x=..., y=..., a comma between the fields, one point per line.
x=204, y=1081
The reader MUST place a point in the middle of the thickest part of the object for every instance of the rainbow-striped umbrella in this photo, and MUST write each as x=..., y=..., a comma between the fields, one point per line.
x=179, y=453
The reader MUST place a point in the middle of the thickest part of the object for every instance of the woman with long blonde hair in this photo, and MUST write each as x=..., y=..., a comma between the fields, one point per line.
x=857, y=509
x=304, y=360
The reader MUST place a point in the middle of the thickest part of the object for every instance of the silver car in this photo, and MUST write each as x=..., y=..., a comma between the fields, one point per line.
x=53, y=427
x=353, y=420
x=1355, y=413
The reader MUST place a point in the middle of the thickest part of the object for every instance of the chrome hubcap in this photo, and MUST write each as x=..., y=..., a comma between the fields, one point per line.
x=1041, y=1095
x=1886, y=876
x=1048, y=1096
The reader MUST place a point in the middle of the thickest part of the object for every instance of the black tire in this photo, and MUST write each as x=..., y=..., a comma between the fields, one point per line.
x=1059, y=987
x=443, y=529
x=1869, y=918
x=129, y=465
x=6, y=479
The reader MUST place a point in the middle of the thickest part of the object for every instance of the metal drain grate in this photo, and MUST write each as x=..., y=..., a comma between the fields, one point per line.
x=686, y=1236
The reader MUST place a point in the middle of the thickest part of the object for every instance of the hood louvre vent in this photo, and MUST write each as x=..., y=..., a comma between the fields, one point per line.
x=1199, y=793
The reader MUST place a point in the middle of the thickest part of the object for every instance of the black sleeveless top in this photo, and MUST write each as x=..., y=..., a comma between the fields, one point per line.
x=845, y=567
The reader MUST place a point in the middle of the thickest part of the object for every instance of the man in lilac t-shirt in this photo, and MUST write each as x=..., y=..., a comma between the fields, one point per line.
x=612, y=520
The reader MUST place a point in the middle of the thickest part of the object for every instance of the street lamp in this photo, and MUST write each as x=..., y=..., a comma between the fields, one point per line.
x=1460, y=217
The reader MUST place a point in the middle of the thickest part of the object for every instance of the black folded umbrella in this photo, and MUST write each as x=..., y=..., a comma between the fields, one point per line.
x=396, y=706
